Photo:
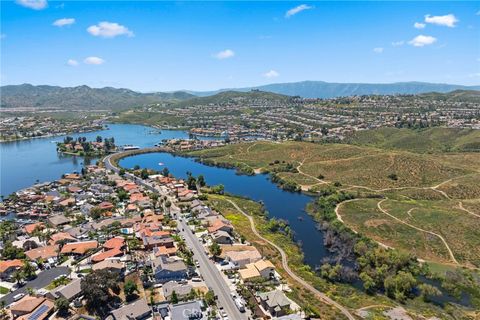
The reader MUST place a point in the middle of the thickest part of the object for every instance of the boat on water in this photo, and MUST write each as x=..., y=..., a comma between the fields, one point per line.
x=128, y=147
x=161, y=164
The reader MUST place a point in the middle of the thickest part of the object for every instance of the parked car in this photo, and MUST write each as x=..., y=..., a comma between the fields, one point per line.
x=18, y=296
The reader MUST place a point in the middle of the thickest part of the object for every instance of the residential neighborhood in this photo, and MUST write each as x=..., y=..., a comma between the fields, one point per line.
x=136, y=235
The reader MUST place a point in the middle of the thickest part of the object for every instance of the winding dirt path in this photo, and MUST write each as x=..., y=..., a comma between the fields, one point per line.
x=461, y=207
x=302, y=282
x=379, y=206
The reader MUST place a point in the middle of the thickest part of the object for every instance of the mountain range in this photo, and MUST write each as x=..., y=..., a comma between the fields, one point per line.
x=87, y=98
x=321, y=89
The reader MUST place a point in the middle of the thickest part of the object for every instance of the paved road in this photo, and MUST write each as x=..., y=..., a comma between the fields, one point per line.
x=211, y=274
x=305, y=284
x=43, y=279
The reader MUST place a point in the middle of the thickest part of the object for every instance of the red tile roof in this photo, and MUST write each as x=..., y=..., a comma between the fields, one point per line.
x=7, y=264
x=79, y=247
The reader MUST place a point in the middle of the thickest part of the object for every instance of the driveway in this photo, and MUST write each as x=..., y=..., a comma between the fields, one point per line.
x=43, y=279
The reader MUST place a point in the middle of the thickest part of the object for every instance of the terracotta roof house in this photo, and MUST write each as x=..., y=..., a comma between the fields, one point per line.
x=218, y=225
x=74, y=189
x=72, y=176
x=117, y=242
x=61, y=236
x=115, y=252
x=79, y=247
x=26, y=305
x=106, y=205
x=45, y=253
x=7, y=267
x=67, y=202
x=164, y=251
x=30, y=228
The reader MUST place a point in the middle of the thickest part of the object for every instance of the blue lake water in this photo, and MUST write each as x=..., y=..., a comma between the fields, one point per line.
x=279, y=203
x=24, y=162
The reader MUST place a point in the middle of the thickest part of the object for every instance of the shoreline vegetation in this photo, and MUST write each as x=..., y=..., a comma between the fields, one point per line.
x=402, y=268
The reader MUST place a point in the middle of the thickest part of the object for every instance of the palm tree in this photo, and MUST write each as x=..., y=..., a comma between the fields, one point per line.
x=18, y=277
x=28, y=269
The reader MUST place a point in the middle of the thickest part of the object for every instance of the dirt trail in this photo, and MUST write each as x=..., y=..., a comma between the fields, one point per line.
x=379, y=206
x=302, y=282
x=461, y=207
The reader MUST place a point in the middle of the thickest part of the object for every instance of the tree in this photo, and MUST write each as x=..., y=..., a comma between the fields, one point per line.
x=122, y=195
x=174, y=297
x=399, y=286
x=96, y=213
x=28, y=270
x=11, y=252
x=215, y=250
x=210, y=298
x=201, y=180
x=96, y=288
x=18, y=277
x=62, y=306
x=428, y=291
x=99, y=139
x=165, y=172
x=130, y=288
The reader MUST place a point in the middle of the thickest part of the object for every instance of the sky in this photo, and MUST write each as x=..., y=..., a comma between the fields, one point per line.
x=194, y=45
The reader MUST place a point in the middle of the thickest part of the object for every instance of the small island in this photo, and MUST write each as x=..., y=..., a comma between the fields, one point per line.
x=82, y=147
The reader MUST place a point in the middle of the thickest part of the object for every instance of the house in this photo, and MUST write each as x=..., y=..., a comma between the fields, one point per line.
x=116, y=242
x=110, y=264
x=186, y=311
x=58, y=220
x=181, y=290
x=167, y=269
x=61, y=237
x=164, y=251
x=27, y=243
x=249, y=272
x=79, y=248
x=67, y=202
x=106, y=206
x=133, y=311
x=69, y=291
x=151, y=242
x=219, y=225
x=265, y=268
x=115, y=252
x=29, y=307
x=243, y=257
x=222, y=237
x=274, y=302
x=8, y=267
x=44, y=253
x=30, y=228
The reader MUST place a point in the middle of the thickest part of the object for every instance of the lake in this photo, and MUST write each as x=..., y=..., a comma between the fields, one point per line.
x=24, y=162
x=27, y=161
x=279, y=203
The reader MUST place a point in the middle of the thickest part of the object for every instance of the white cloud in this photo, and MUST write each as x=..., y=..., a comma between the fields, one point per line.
x=421, y=40
x=33, y=4
x=225, y=54
x=63, y=22
x=72, y=62
x=93, y=60
x=297, y=9
x=419, y=25
x=474, y=75
x=398, y=43
x=271, y=74
x=107, y=29
x=448, y=20
x=378, y=50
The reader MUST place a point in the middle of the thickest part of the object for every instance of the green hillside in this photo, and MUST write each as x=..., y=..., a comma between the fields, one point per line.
x=425, y=140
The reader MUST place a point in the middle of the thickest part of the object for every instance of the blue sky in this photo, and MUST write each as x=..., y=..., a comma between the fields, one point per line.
x=161, y=46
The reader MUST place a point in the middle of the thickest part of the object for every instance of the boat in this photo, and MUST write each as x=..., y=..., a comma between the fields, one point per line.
x=128, y=147
x=161, y=164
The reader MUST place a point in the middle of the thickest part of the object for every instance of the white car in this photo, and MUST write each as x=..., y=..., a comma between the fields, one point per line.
x=18, y=296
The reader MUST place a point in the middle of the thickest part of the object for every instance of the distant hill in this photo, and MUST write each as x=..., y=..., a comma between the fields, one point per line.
x=81, y=97
x=234, y=97
x=321, y=89
x=435, y=139
x=457, y=95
